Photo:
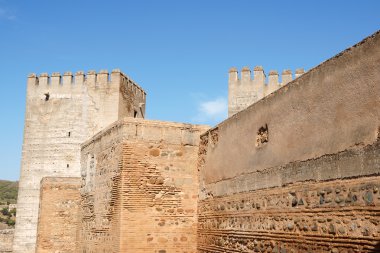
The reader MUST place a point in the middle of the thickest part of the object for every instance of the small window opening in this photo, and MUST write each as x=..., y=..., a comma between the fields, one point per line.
x=67, y=165
x=135, y=114
x=47, y=96
x=69, y=134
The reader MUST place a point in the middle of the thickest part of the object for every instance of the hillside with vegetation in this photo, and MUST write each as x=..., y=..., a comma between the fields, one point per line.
x=8, y=192
x=8, y=195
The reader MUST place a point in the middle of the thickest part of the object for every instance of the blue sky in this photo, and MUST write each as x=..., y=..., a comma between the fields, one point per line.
x=178, y=51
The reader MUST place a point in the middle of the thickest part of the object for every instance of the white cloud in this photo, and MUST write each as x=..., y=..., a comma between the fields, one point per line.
x=211, y=111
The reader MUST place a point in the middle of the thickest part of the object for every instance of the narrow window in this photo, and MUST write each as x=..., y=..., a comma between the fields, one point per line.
x=135, y=114
x=69, y=134
x=67, y=165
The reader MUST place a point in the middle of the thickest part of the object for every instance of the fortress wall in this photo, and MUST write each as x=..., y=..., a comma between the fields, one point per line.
x=248, y=89
x=140, y=188
x=58, y=215
x=62, y=111
x=298, y=171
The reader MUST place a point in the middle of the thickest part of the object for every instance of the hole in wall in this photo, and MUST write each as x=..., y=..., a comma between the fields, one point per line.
x=262, y=136
x=135, y=114
x=67, y=165
x=47, y=96
x=69, y=134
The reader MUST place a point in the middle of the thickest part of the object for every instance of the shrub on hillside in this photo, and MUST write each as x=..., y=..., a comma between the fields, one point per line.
x=5, y=211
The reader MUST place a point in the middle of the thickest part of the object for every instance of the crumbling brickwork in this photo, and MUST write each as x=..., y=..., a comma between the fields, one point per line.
x=58, y=215
x=139, y=188
x=62, y=111
x=298, y=171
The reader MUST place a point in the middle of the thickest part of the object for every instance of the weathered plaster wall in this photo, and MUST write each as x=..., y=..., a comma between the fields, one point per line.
x=298, y=171
x=139, y=188
x=61, y=113
x=6, y=240
x=58, y=215
x=328, y=109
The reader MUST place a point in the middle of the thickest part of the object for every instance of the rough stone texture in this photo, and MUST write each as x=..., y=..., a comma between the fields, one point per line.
x=244, y=91
x=298, y=171
x=58, y=215
x=306, y=213
x=139, y=188
x=6, y=240
x=61, y=113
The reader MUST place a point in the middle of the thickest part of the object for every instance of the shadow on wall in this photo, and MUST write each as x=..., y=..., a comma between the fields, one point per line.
x=377, y=248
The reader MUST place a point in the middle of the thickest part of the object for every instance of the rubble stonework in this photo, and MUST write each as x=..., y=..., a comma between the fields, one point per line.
x=296, y=168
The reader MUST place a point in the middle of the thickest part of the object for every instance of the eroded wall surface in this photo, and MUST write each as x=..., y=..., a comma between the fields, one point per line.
x=62, y=111
x=298, y=171
x=139, y=188
x=58, y=215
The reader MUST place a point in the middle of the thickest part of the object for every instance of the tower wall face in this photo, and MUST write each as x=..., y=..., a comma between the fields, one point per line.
x=62, y=111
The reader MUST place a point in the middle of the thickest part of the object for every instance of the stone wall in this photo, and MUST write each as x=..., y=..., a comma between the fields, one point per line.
x=139, y=188
x=62, y=112
x=298, y=171
x=58, y=215
x=6, y=240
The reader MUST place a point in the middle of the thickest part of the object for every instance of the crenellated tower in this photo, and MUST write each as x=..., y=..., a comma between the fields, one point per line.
x=63, y=111
x=246, y=90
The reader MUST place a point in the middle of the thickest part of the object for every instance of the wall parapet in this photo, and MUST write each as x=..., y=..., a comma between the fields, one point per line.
x=247, y=88
x=259, y=73
x=103, y=77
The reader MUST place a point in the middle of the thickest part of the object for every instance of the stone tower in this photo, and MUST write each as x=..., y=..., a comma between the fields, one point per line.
x=63, y=111
x=247, y=90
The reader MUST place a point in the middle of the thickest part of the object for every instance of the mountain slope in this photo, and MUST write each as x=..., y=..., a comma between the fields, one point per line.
x=8, y=191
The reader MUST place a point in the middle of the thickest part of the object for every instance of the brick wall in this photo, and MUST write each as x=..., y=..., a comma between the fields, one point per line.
x=58, y=215
x=139, y=188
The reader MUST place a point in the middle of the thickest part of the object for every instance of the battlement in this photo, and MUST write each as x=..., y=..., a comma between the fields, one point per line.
x=247, y=88
x=91, y=78
x=260, y=76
